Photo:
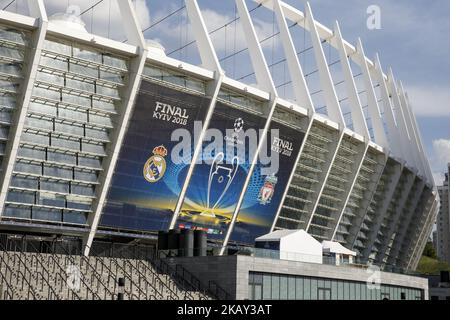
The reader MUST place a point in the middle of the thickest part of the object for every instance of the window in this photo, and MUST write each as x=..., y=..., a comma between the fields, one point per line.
x=275, y=287
x=289, y=287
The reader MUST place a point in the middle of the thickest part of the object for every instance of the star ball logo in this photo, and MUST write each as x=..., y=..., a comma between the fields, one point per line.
x=238, y=125
x=155, y=167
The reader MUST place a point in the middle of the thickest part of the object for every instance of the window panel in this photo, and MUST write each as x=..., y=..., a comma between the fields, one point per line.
x=314, y=289
x=283, y=287
x=275, y=287
x=20, y=197
x=47, y=214
x=18, y=212
x=74, y=217
x=267, y=287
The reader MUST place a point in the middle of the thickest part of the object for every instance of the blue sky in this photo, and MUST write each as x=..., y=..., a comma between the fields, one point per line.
x=413, y=40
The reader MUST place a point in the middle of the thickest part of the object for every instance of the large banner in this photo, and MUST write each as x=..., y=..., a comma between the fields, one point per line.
x=267, y=185
x=147, y=180
x=218, y=179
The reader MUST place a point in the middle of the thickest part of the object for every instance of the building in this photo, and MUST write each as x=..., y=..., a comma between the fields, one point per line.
x=439, y=286
x=435, y=243
x=443, y=222
x=259, y=278
x=87, y=145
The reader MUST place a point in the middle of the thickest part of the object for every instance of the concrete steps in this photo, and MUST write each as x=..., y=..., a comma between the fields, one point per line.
x=45, y=276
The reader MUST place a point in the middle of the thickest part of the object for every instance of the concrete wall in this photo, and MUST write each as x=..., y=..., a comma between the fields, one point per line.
x=232, y=272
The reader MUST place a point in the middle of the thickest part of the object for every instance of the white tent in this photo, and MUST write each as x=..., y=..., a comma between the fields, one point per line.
x=295, y=245
x=339, y=253
x=336, y=247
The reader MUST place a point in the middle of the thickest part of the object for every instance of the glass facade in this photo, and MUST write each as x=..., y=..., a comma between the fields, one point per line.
x=271, y=286
x=305, y=186
x=359, y=214
x=71, y=114
x=14, y=45
x=336, y=187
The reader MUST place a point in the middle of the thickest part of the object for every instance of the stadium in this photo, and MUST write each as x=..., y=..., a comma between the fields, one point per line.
x=87, y=144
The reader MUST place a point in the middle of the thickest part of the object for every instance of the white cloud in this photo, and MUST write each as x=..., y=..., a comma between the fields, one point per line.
x=430, y=100
x=106, y=18
x=440, y=158
x=236, y=38
x=170, y=31
x=441, y=149
x=438, y=178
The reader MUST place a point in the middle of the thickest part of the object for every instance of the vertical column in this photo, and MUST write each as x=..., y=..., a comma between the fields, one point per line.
x=406, y=221
x=209, y=59
x=414, y=140
x=359, y=122
x=401, y=124
x=363, y=211
x=426, y=163
x=324, y=178
x=414, y=260
x=137, y=63
x=399, y=206
x=355, y=174
x=374, y=110
x=387, y=198
x=37, y=41
x=295, y=69
x=417, y=228
x=265, y=82
x=393, y=132
x=299, y=85
x=291, y=177
x=263, y=78
x=333, y=109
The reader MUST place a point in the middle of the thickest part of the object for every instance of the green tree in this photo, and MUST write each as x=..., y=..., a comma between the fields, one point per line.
x=429, y=250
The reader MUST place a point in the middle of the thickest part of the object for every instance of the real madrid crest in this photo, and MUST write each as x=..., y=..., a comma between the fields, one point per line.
x=155, y=167
x=267, y=190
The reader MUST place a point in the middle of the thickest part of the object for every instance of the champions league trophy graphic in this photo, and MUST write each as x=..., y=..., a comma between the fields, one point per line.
x=220, y=179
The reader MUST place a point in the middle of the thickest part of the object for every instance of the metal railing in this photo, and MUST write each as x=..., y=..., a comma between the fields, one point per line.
x=180, y=273
x=147, y=275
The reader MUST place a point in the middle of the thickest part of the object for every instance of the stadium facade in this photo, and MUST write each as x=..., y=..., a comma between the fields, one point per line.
x=86, y=127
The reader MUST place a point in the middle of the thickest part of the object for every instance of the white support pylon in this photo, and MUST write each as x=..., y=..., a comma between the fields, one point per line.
x=291, y=177
x=333, y=108
x=209, y=59
x=263, y=78
x=394, y=141
x=374, y=111
x=137, y=63
x=411, y=127
x=429, y=174
x=37, y=9
x=412, y=135
x=299, y=85
x=359, y=122
x=403, y=134
x=205, y=47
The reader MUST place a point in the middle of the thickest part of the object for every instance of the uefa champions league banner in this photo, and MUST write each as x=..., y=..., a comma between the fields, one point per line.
x=218, y=178
x=266, y=187
x=146, y=182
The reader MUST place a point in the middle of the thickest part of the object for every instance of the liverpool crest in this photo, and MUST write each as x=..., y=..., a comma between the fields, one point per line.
x=155, y=167
x=267, y=190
